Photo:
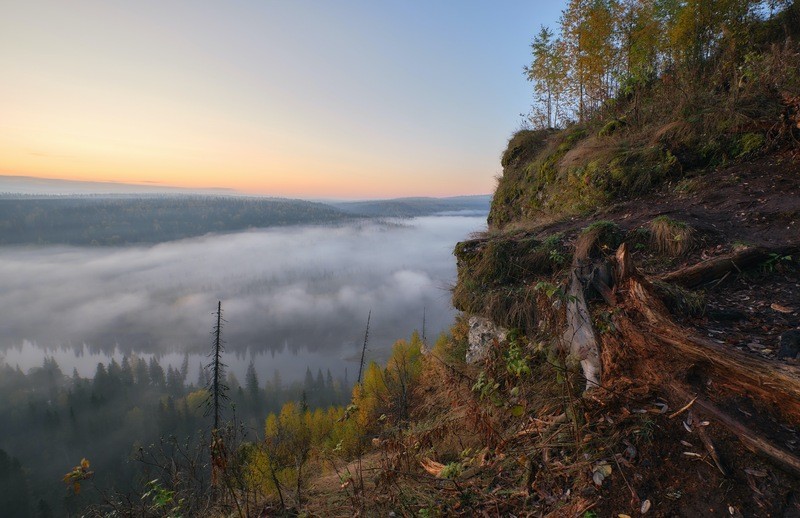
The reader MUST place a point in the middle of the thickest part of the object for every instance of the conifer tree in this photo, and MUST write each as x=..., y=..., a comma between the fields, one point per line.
x=251, y=383
x=185, y=367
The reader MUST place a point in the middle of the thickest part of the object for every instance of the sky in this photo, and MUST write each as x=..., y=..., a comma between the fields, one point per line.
x=310, y=99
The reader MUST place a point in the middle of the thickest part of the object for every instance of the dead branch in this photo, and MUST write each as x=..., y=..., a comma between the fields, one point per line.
x=717, y=267
x=709, y=444
x=748, y=437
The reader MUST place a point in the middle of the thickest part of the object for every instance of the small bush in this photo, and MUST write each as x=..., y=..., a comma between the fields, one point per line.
x=451, y=470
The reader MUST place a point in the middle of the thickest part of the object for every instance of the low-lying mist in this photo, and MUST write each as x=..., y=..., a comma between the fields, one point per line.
x=302, y=290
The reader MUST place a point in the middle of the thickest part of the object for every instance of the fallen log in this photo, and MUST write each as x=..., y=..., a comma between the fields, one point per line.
x=717, y=267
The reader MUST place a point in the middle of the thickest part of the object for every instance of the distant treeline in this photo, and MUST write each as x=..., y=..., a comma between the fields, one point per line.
x=121, y=220
x=411, y=207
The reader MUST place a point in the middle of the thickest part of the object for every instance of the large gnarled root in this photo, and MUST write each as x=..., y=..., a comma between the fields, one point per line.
x=663, y=349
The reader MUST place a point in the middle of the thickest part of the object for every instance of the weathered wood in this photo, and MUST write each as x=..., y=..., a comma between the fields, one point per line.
x=579, y=338
x=730, y=369
x=754, y=377
x=604, y=290
x=717, y=267
x=624, y=263
x=730, y=372
x=747, y=436
x=709, y=444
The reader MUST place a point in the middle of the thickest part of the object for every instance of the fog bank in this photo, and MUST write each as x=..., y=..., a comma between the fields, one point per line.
x=283, y=290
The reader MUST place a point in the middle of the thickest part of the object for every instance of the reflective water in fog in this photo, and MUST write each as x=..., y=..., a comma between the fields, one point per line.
x=292, y=297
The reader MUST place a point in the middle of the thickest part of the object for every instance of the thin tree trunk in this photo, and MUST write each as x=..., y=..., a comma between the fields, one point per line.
x=217, y=372
x=364, y=349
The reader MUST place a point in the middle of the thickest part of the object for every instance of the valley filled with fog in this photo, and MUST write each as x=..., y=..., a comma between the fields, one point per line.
x=293, y=297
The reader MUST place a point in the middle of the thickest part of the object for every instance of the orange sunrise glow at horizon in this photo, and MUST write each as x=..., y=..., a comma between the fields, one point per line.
x=339, y=100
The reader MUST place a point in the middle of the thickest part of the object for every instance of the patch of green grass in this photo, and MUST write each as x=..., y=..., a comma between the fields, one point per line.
x=611, y=127
x=749, y=143
x=452, y=470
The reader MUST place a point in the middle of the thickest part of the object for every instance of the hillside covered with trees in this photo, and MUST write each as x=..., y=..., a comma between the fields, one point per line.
x=646, y=93
x=126, y=412
x=127, y=219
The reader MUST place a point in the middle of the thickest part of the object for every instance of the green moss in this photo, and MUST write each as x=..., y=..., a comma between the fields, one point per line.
x=524, y=142
x=750, y=143
x=451, y=470
x=602, y=225
x=529, y=167
x=681, y=301
x=611, y=127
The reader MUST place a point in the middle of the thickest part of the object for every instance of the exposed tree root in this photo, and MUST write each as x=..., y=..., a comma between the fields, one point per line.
x=760, y=379
x=653, y=350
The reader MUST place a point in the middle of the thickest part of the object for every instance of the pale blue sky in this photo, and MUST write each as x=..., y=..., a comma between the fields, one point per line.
x=342, y=99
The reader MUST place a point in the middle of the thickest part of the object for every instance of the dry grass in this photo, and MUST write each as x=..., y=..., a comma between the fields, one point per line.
x=587, y=150
x=599, y=237
x=497, y=275
x=510, y=307
x=671, y=133
x=671, y=237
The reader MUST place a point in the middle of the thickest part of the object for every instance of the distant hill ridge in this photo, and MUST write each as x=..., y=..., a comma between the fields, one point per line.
x=131, y=218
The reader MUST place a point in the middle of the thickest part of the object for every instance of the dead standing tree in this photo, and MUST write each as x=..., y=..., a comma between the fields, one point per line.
x=217, y=390
x=217, y=395
x=364, y=350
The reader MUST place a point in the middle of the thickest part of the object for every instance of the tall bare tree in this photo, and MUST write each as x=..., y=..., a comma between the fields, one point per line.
x=217, y=389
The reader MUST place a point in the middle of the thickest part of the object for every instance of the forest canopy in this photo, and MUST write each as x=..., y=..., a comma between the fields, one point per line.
x=605, y=48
